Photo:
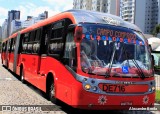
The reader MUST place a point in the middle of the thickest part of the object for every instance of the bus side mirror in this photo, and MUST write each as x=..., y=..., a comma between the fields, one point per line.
x=72, y=27
x=78, y=34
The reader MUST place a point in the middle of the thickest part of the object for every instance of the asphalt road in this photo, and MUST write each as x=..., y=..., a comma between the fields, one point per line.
x=26, y=99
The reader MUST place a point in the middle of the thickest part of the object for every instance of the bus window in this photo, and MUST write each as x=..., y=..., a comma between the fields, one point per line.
x=20, y=50
x=3, y=47
x=9, y=45
x=56, y=40
x=36, y=42
x=113, y=51
x=69, y=52
x=44, y=39
x=37, y=35
x=25, y=42
x=6, y=46
x=32, y=36
x=30, y=41
x=24, y=38
x=13, y=45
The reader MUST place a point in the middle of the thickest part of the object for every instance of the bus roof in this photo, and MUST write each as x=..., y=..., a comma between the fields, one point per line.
x=81, y=16
x=78, y=16
x=98, y=17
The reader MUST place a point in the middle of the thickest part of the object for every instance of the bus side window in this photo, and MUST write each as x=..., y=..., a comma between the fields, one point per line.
x=6, y=46
x=29, y=44
x=13, y=44
x=25, y=41
x=44, y=39
x=70, y=51
x=36, y=42
x=56, y=42
x=20, y=50
x=3, y=49
x=9, y=46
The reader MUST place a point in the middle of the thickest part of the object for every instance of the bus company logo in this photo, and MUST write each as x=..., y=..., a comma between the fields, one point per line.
x=102, y=100
x=110, y=20
x=145, y=100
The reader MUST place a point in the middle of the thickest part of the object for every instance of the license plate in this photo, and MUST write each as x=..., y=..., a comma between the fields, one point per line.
x=121, y=88
x=126, y=103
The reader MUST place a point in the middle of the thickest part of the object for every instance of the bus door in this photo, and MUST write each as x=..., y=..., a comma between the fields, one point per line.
x=44, y=35
x=7, y=54
x=10, y=55
x=3, y=52
x=35, y=58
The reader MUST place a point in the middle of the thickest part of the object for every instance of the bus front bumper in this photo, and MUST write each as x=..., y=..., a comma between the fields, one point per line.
x=92, y=101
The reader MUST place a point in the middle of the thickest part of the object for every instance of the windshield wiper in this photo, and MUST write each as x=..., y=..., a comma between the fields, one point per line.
x=140, y=72
x=139, y=69
x=111, y=62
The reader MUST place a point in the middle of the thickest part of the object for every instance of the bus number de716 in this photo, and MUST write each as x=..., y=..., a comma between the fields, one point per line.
x=113, y=88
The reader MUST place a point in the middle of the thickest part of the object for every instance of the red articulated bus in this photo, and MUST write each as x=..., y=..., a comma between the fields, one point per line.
x=88, y=60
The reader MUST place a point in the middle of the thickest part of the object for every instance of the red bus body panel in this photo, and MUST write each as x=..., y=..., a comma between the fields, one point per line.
x=36, y=69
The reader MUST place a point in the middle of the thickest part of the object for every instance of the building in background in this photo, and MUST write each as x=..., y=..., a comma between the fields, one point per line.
x=144, y=13
x=41, y=17
x=15, y=25
x=12, y=15
x=32, y=20
x=27, y=22
x=106, y=6
x=4, y=29
x=127, y=10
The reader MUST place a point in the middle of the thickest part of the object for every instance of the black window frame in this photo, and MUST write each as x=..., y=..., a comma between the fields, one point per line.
x=57, y=39
x=36, y=41
x=9, y=45
x=25, y=42
x=13, y=44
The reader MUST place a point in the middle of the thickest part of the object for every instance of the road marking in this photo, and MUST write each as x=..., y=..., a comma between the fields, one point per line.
x=8, y=78
x=5, y=78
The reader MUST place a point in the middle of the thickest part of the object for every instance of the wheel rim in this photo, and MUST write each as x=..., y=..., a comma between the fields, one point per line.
x=22, y=77
x=52, y=91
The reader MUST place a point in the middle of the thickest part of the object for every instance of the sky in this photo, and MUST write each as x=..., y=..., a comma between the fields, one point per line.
x=33, y=7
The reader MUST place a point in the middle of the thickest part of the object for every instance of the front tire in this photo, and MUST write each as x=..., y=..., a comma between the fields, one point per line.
x=51, y=93
x=22, y=77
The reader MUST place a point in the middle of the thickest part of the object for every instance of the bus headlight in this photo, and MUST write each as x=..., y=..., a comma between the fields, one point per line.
x=153, y=88
x=87, y=86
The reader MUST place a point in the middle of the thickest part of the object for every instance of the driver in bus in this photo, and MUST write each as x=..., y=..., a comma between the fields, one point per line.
x=84, y=60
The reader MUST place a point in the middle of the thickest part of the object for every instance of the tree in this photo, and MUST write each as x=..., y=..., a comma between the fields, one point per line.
x=156, y=30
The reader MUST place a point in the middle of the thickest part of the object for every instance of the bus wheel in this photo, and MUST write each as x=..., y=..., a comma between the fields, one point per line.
x=51, y=93
x=7, y=65
x=22, y=76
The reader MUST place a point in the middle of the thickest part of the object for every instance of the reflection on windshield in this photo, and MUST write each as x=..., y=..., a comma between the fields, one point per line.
x=101, y=53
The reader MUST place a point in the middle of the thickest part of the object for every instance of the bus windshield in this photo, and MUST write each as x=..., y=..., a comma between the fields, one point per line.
x=115, y=51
